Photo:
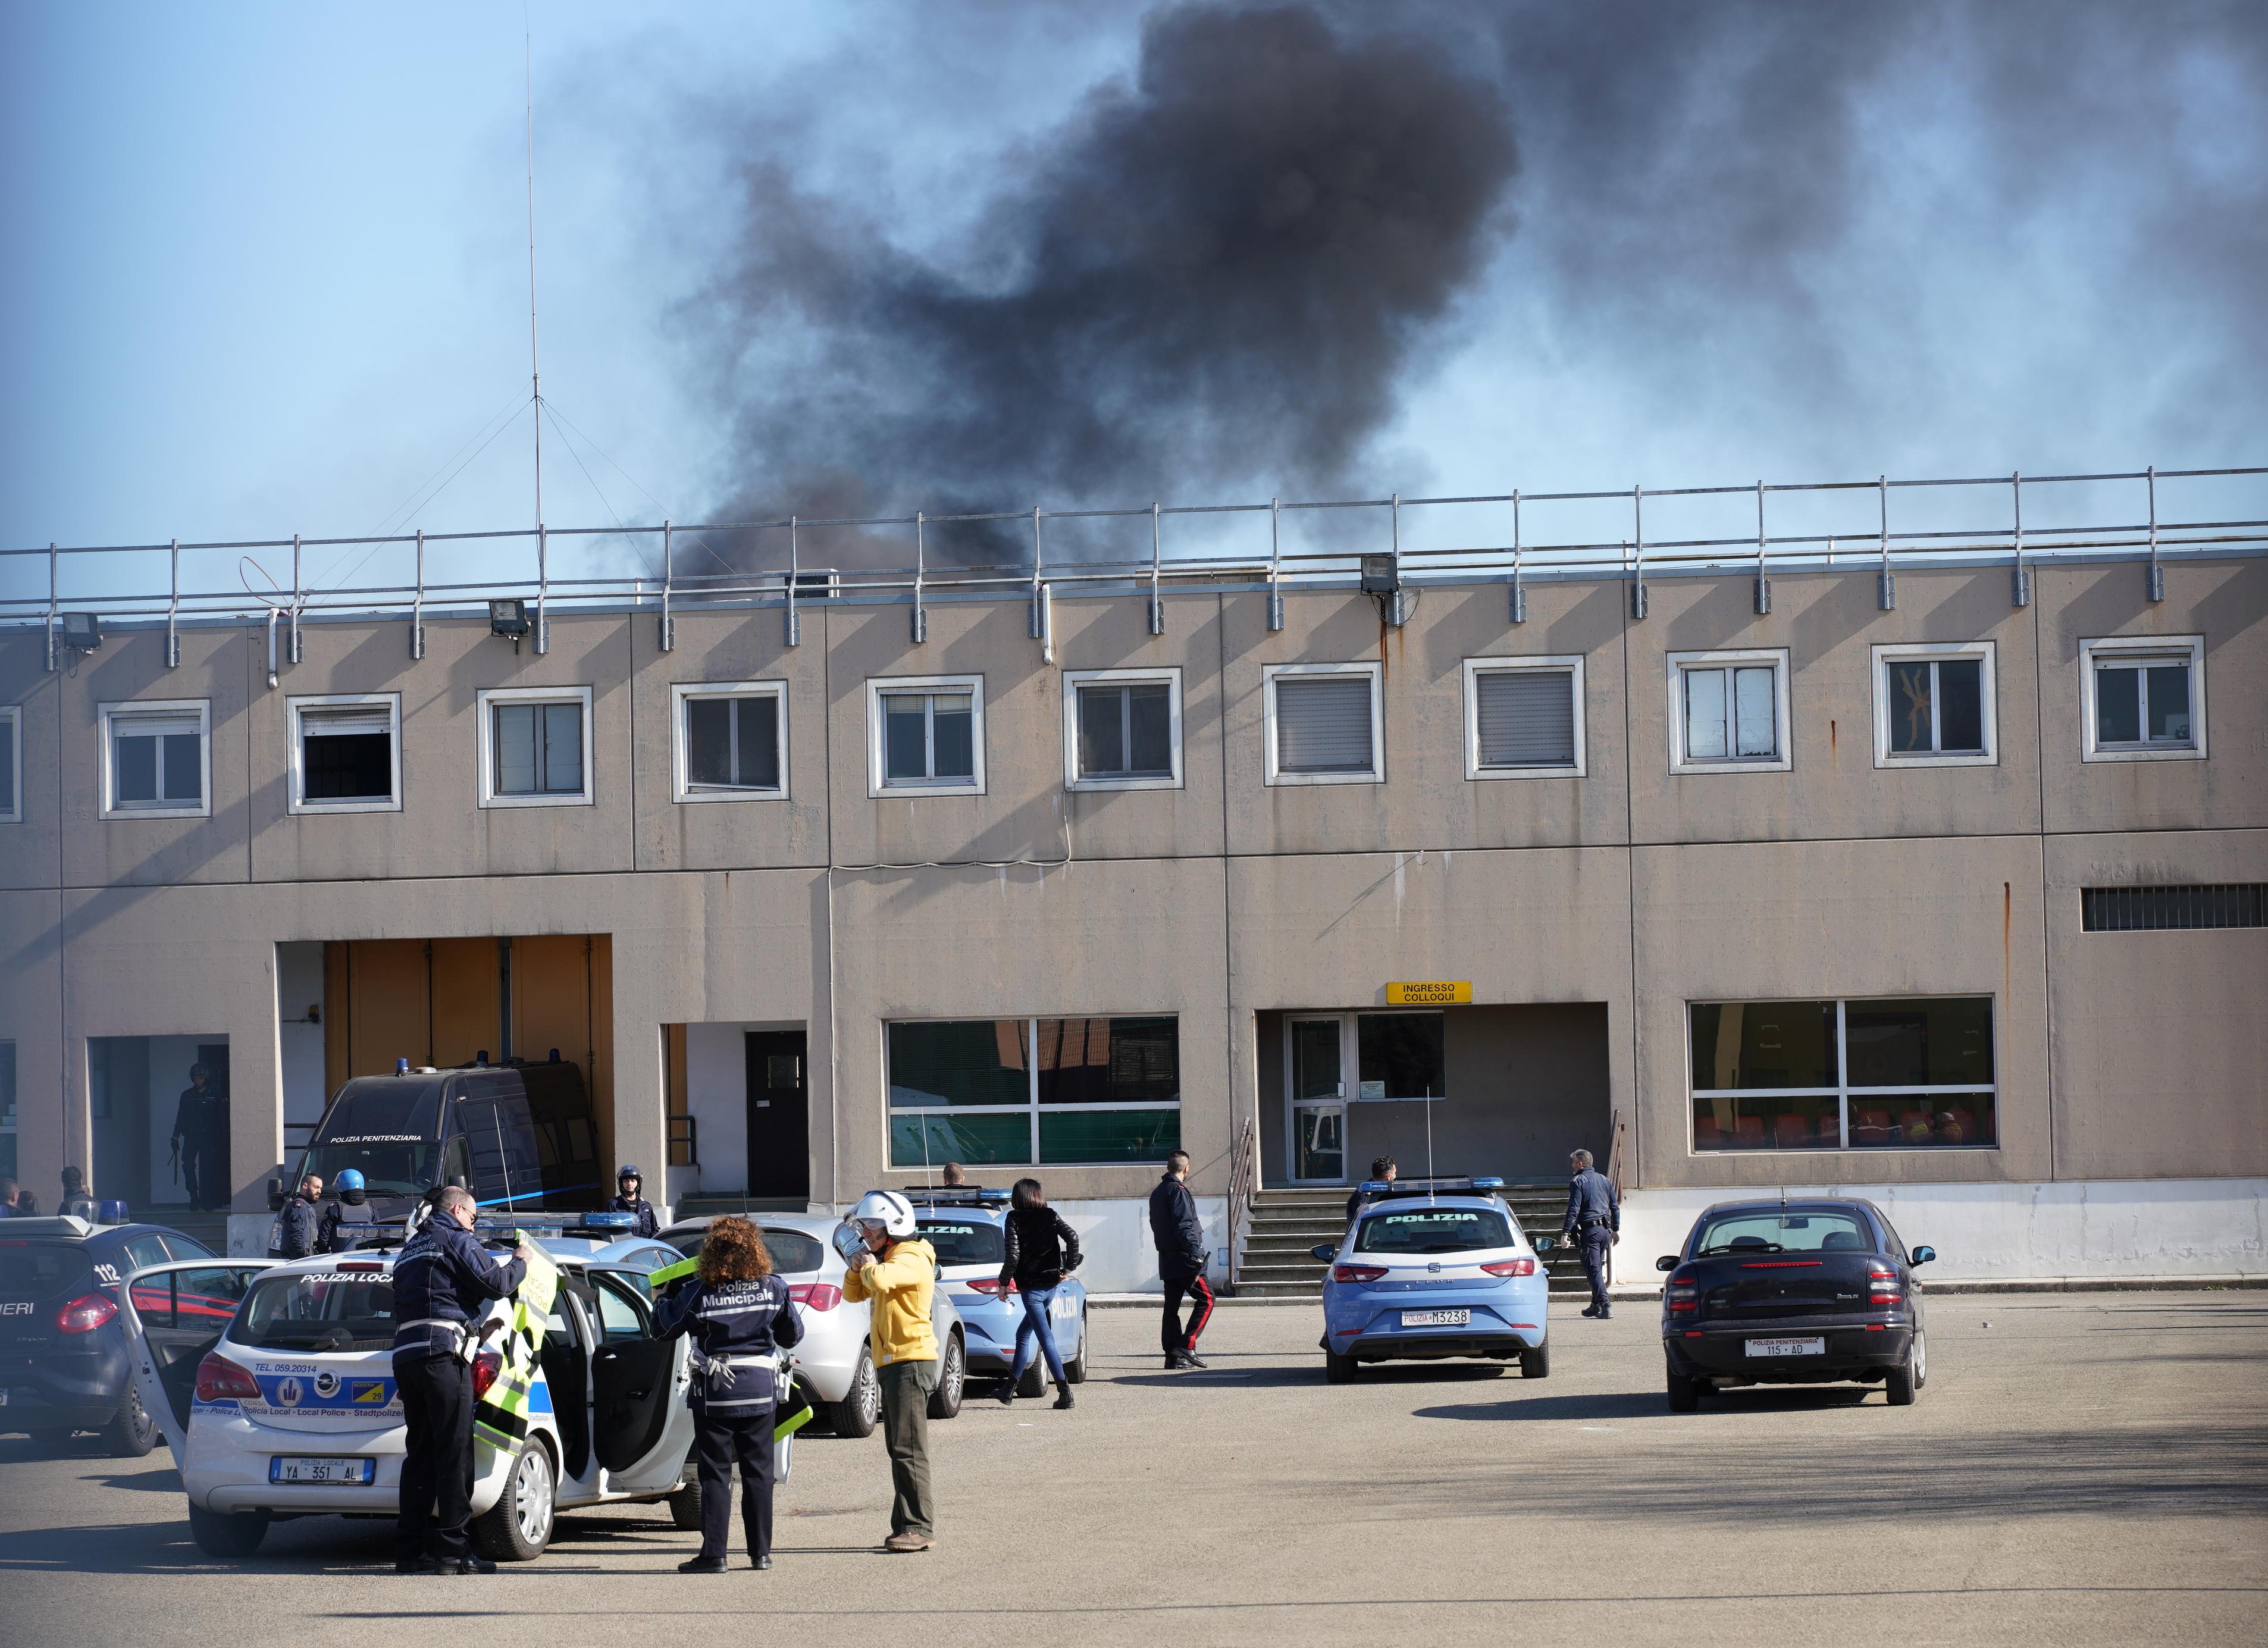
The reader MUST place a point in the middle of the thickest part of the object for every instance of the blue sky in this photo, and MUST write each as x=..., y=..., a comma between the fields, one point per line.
x=267, y=271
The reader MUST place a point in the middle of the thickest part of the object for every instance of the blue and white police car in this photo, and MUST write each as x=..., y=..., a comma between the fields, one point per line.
x=969, y=1229
x=1431, y=1268
x=273, y=1385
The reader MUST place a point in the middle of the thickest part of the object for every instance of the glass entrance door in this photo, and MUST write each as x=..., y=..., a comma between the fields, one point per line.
x=1316, y=1069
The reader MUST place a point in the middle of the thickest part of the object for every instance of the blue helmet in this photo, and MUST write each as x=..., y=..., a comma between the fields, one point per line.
x=349, y=1179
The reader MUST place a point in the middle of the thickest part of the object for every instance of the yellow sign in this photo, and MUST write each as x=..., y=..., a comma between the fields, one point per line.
x=1430, y=993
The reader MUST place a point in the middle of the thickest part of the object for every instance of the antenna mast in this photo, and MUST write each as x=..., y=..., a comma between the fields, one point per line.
x=534, y=360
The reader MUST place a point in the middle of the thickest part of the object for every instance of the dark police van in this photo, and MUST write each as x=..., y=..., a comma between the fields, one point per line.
x=517, y=1135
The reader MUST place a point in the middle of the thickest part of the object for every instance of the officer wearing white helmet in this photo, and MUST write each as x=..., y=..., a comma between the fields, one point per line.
x=897, y=1272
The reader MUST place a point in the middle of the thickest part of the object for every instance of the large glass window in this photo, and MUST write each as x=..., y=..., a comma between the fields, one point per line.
x=1728, y=714
x=1905, y=1073
x=1401, y=1055
x=1049, y=1091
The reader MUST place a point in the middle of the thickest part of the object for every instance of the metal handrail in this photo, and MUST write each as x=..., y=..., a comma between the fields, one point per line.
x=1243, y=1185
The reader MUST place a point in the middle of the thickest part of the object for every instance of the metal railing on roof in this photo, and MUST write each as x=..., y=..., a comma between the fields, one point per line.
x=2138, y=534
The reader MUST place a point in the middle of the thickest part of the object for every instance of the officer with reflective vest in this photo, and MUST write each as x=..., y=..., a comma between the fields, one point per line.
x=346, y=1220
x=628, y=1183
x=442, y=1283
x=739, y=1314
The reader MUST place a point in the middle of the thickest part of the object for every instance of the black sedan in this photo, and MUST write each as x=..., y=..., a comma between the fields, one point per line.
x=64, y=1363
x=1783, y=1293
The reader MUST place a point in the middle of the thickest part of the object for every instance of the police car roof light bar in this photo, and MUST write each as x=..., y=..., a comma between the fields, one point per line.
x=1454, y=1184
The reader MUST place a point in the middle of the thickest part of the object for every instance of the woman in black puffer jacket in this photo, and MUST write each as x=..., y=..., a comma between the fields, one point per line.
x=1043, y=1250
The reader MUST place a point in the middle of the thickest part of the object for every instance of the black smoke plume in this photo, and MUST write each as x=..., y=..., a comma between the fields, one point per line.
x=1212, y=277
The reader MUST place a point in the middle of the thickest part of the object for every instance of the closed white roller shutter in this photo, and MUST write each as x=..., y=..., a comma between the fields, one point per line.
x=346, y=722
x=1323, y=724
x=1526, y=718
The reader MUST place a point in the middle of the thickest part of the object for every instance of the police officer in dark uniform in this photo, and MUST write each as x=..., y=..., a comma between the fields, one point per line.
x=201, y=1136
x=628, y=1183
x=346, y=1221
x=1594, y=1221
x=297, y=1225
x=738, y=1311
x=443, y=1279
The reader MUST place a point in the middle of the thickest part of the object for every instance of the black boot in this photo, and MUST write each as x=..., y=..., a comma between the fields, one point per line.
x=1008, y=1396
x=1063, y=1394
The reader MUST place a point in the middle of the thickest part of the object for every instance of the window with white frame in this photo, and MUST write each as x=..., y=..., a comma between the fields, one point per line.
x=730, y=740
x=2143, y=698
x=1933, y=706
x=1524, y=717
x=346, y=753
x=1905, y=1073
x=1122, y=729
x=157, y=759
x=1049, y=1092
x=925, y=733
x=1325, y=723
x=535, y=746
x=1728, y=711
x=12, y=764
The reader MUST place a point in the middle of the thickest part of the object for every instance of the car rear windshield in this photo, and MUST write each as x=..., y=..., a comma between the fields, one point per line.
x=965, y=1242
x=43, y=1270
x=1433, y=1230
x=792, y=1250
x=1768, y=1230
x=318, y=1311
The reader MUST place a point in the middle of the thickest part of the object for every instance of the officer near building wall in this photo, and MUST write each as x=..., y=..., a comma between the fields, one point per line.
x=628, y=1185
x=201, y=1139
x=738, y=1312
x=442, y=1281
x=1595, y=1223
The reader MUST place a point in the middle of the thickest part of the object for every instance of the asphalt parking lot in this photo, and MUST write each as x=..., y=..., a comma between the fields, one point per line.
x=2081, y=1469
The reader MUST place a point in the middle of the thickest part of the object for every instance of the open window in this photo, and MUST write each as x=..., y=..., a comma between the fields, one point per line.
x=346, y=753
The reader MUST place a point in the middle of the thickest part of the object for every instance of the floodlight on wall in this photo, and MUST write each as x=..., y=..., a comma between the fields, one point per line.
x=508, y=618
x=1381, y=575
x=82, y=631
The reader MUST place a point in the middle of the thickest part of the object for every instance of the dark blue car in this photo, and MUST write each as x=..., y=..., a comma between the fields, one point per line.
x=64, y=1366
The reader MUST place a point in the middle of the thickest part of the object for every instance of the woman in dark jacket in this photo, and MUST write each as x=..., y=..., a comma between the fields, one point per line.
x=1043, y=1250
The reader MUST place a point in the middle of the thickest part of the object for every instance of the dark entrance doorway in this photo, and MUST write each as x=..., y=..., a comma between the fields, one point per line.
x=779, y=1116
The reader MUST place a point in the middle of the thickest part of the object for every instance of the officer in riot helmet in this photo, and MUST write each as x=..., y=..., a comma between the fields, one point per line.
x=351, y=1208
x=628, y=1183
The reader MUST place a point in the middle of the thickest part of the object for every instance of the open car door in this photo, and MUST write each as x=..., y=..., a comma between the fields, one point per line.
x=643, y=1428
x=173, y=1314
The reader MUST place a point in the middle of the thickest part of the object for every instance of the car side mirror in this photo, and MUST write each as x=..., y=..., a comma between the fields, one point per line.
x=1324, y=1251
x=275, y=1195
x=1923, y=1256
x=1668, y=1261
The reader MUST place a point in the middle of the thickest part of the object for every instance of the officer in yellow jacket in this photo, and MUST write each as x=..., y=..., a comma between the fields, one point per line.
x=897, y=1273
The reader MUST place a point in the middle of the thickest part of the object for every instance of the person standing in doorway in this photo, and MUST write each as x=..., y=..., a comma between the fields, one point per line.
x=1595, y=1222
x=1381, y=1168
x=897, y=1272
x=630, y=1185
x=201, y=1139
x=1043, y=1250
x=1179, y=1235
x=738, y=1312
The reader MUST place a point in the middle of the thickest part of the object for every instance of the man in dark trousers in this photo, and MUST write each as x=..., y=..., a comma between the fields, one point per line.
x=443, y=1279
x=628, y=1184
x=298, y=1227
x=1594, y=1221
x=201, y=1138
x=1179, y=1236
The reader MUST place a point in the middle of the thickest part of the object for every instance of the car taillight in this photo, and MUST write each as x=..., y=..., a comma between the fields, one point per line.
x=486, y=1366
x=816, y=1295
x=1357, y=1272
x=1882, y=1286
x=992, y=1287
x=85, y=1314
x=1511, y=1267
x=220, y=1380
x=1681, y=1295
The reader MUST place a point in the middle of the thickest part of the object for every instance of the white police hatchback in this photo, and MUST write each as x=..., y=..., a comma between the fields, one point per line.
x=275, y=1386
x=1433, y=1268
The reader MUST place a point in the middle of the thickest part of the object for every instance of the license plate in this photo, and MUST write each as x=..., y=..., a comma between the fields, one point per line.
x=1788, y=1347
x=1436, y=1318
x=354, y=1473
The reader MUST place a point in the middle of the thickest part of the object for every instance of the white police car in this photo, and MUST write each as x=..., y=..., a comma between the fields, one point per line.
x=275, y=1386
x=1431, y=1269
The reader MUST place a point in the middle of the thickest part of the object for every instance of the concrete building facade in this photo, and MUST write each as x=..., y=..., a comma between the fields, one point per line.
x=1736, y=900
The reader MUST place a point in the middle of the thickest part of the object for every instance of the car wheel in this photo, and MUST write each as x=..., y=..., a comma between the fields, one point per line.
x=227, y=1533
x=1075, y=1369
x=685, y=1504
x=1034, y=1382
x=1685, y=1395
x=1905, y=1378
x=132, y=1433
x=1920, y=1360
x=860, y=1410
x=951, y=1379
x=517, y=1527
x=1339, y=1370
x=1536, y=1364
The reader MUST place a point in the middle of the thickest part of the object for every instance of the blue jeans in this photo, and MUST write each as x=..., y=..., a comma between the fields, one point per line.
x=1036, y=1301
